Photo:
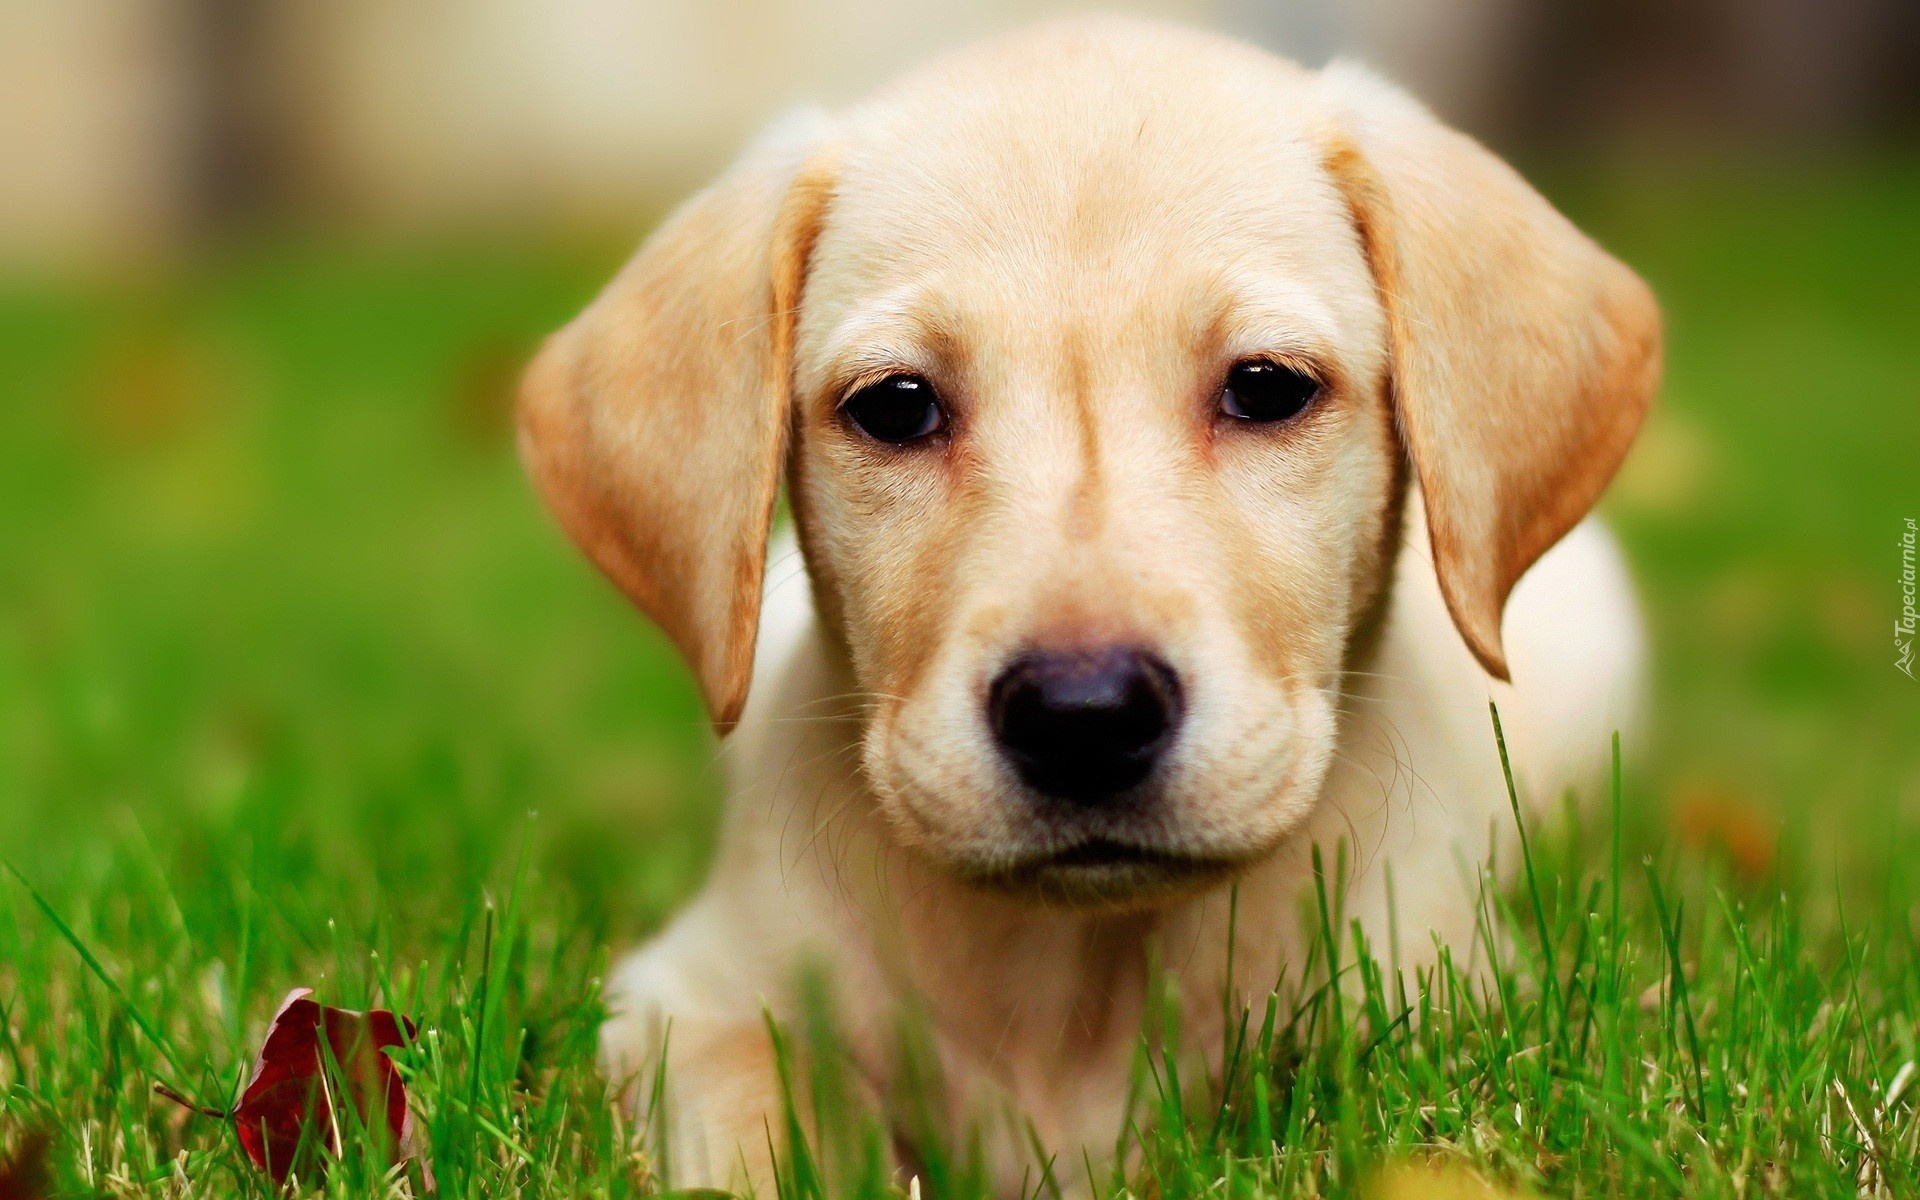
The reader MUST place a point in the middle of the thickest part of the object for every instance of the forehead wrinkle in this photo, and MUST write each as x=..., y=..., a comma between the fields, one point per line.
x=905, y=327
x=1278, y=315
x=1084, y=505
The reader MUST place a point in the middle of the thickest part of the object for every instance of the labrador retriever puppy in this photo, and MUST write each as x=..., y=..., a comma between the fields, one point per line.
x=1167, y=430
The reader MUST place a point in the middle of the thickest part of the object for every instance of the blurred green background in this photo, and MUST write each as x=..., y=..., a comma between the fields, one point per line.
x=276, y=604
x=272, y=570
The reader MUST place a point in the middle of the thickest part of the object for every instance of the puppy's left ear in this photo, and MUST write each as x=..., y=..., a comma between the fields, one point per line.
x=1523, y=356
x=655, y=424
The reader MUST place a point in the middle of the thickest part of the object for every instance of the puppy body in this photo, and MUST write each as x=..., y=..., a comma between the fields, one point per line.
x=1168, y=431
x=1036, y=1010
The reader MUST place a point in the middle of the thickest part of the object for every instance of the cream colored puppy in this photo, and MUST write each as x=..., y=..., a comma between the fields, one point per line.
x=1167, y=429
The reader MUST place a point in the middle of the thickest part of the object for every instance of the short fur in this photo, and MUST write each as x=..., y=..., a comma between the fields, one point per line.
x=1074, y=232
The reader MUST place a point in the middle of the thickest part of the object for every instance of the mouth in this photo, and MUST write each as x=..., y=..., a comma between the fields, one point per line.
x=1103, y=870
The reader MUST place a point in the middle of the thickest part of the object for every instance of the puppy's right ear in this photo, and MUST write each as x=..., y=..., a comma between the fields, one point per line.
x=654, y=425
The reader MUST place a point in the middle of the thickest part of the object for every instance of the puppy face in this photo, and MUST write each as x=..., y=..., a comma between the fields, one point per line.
x=1094, y=456
x=1095, y=358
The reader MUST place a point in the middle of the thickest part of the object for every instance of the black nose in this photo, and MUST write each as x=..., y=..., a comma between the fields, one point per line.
x=1084, y=726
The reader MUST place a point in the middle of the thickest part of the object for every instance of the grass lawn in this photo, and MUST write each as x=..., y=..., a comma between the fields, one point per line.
x=290, y=661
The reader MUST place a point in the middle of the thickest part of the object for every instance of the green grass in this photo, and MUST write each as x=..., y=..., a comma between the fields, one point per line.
x=289, y=659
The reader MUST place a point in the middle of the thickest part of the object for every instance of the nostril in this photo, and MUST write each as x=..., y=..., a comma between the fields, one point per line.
x=1085, y=725
x=1117, y=707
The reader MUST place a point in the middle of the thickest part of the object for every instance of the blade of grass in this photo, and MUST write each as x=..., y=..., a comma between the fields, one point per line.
x=112, y=985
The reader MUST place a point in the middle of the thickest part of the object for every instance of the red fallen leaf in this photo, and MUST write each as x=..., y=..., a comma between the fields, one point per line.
x=292, y=1091
x=24, y=1176
x=298, y=1090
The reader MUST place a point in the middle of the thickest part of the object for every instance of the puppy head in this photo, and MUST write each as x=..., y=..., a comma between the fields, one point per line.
x=1096, y=358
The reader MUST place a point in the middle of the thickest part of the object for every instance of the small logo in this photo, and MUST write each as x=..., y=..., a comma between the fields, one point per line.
x=1903, y=625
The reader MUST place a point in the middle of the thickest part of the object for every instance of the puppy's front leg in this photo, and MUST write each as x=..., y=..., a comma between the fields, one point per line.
x=724, y=1111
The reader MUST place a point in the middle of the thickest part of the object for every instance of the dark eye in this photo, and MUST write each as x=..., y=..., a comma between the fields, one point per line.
x=1265, y=392
x=898, y=409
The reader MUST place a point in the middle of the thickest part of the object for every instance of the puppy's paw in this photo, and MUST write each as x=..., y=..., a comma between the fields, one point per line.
x=718, y=1086
x=635, y=1032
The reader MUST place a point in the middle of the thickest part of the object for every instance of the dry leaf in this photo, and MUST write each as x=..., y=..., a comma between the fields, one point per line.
x=23, y=1175
x=303, y=1083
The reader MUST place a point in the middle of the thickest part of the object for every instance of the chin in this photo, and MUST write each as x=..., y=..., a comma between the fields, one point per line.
x=1100, y=873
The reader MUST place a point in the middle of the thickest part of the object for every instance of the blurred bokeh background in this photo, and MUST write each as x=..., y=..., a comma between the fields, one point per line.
x=139, y=125
x=267, y=271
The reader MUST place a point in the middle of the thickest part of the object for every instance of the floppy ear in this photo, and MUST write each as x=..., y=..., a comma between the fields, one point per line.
x=1523, y=355
x=655, y=424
